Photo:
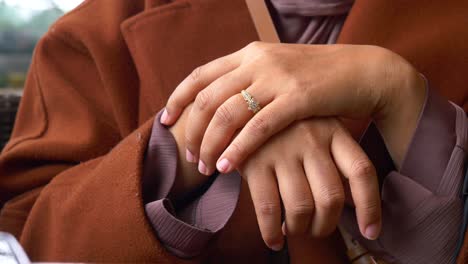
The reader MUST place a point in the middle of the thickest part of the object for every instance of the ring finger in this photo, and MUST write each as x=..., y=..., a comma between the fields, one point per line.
x=206, y=103
x=228, y=118
x=296, y=196
x=327, y=190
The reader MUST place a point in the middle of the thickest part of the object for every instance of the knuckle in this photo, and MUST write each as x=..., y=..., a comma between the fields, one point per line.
x=266, y=208
x=293, y=80
x=190, y=141
x=362, y=169
x=308, y=133
x=301, y=208
x=323, y=231
x=196, y=74
x=311, y=138
x=258, y=51
x=224, y=115
x=330, y=198
x=202, y=100
x=259, y=127
x=304, y=127
x=254, y=45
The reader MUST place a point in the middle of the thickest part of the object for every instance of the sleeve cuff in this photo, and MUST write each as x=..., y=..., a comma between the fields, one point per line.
x=178, y=237
x=433, y=141
x=426, y=193
x=431, y=146
x=160, y=159
x=187, y=231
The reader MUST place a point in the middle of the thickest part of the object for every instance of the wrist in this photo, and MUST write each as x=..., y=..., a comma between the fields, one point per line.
x=398, y=118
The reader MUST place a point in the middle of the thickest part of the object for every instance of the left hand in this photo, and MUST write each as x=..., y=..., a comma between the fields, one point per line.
x=293, y=82
x=304, y=169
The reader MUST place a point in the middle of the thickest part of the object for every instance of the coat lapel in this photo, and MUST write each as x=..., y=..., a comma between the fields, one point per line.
x=167, y=42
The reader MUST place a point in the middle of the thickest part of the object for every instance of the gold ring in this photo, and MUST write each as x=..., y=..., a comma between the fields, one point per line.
x=254, y=106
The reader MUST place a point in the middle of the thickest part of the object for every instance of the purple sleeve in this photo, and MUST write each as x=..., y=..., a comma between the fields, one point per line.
x=184, y=232
x=422, y=203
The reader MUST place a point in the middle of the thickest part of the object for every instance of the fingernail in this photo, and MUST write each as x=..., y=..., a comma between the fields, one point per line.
x=202, y=168
x=223, y=166
x=277, y=247
x=164, y=117
x=283, y=228
x=190, y=157
x=372, y=231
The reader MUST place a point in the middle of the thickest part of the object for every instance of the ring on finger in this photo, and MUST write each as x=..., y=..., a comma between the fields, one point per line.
x=253, y=104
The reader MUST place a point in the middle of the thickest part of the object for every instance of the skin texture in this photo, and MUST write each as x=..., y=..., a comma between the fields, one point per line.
x=293, y=140
x=305, y=163
x=306, y=216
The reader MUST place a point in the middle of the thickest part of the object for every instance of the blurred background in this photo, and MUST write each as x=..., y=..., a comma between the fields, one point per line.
x=22, y=23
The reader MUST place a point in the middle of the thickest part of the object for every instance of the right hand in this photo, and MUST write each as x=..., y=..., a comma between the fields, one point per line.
x=301, y=168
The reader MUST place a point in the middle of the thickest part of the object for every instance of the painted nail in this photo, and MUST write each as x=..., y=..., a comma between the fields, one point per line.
x=277, y=247
x=372, y=231
x=202, y=168
x=164, y=117
x=223, y=165
x=190, y=157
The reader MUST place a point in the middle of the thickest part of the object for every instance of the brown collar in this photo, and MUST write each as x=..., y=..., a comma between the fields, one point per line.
x=167, y=42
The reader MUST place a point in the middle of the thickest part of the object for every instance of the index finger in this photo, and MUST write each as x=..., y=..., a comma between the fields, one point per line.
x=271, y=119
x=201, y=77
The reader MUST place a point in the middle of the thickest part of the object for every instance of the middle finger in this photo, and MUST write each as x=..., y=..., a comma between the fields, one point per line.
x=327, y=190
x=228, y=118
x=206, y=103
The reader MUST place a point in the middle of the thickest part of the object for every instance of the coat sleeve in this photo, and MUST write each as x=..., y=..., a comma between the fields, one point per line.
x=422, y=202
x=70, y=183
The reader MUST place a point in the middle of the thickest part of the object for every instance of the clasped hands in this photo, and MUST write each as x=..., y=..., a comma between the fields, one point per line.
x=295, y=151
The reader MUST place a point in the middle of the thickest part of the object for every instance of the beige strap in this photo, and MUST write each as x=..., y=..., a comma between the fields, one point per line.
x=357, y=254
x=262, y=21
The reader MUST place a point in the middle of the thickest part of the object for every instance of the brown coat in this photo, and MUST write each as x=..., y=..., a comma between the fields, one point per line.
x=72, y=170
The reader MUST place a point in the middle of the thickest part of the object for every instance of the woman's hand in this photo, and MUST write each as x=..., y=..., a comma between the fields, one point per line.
x=301, y=169
x=293, y=82
x=188, y=177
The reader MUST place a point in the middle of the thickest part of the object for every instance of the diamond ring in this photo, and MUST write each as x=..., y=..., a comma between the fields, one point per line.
x=254, y=106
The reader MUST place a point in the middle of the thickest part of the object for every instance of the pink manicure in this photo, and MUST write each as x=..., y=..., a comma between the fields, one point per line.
x=277, y=247
x=190, y=157
x=223, y=166
x=164, y=117
x=372, y=231
x=202, y=168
